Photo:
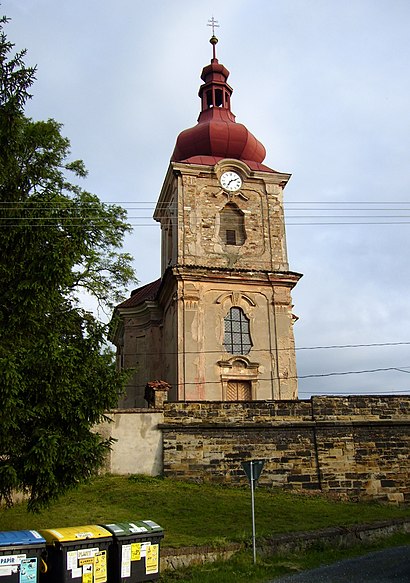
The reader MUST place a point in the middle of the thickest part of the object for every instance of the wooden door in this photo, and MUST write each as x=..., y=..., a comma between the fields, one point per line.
x=238, y=391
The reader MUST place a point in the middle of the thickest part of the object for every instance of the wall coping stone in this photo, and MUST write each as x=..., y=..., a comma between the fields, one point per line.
x=345, y=536
x=180, y=426
x=186, y=427
x=136, y=410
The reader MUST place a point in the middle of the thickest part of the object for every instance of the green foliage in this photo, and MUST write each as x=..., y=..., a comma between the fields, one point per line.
x=57, y=243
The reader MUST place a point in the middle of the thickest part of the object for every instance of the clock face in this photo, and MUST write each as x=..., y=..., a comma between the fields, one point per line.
x=231, y=181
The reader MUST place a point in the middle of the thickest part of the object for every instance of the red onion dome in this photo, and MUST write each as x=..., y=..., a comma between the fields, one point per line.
x=217, y=135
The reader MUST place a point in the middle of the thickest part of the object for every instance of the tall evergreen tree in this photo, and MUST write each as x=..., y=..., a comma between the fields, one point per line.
x=57, y=241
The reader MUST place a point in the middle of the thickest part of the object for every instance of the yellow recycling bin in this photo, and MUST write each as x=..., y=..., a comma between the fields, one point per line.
x=77, y=554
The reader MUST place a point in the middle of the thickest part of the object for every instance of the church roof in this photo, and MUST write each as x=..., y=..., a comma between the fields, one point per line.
x=141, y=294
x=217, y=135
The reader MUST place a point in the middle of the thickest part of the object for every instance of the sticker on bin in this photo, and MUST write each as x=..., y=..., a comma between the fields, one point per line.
x=137, y=551
x=6, y=560
x=82, y=562
x=28, y=570
x=136, y=529
x=82, y=535
x=153, y=525
x=7, y=571
x=126, y=561
x=129, y=553
x=115, y=528
x=87, y=553
x=152, y=559
x=87, y=574
x=12, y=564
x=100, y=567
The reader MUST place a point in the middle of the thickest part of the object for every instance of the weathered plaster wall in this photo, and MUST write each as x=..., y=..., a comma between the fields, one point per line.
x=200, y=202
x=205, y=274
x=349, y=446
x=207, y=366
x=141, y=351
x=138, y=445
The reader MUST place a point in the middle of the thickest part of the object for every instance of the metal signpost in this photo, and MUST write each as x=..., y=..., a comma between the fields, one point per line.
x=253, y=470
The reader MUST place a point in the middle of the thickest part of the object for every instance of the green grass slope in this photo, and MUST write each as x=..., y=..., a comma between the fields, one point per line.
x=195, y=514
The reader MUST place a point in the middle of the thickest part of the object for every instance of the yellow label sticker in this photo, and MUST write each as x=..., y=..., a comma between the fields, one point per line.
x=151, y=559
x=135, y=551
x=87, y=574
x=87, y=561
x=100, y=567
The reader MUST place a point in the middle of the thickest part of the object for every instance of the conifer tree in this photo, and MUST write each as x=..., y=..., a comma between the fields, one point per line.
x=57, y=241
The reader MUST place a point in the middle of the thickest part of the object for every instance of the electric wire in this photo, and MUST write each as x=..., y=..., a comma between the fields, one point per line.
x=297, y=348
x=381, y=213
x=299, y=377
x=99, y=220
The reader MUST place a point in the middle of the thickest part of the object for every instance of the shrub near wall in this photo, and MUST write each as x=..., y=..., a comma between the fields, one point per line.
x=348, y=446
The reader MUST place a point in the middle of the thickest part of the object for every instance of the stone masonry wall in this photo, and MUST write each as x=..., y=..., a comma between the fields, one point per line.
x=347, y=446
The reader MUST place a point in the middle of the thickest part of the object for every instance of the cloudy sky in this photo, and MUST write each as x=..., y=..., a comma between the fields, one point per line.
x=323, y=84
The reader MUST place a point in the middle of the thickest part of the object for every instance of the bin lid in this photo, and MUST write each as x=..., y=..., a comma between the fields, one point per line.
x=20, y=538
x=75, y=533
x=136, y=527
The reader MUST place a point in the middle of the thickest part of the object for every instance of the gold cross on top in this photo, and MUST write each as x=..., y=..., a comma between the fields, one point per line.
x=214, y=23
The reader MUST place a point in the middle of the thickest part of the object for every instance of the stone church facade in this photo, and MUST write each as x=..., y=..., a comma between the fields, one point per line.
x=218, y=324
x=216, y=330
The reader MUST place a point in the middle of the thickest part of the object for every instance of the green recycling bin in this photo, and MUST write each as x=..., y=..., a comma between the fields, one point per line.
x=77, y=554
x=21, y=553
x=135, y=552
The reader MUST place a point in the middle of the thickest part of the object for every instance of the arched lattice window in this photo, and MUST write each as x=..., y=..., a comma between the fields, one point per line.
x=237, y=338
x=232, y=225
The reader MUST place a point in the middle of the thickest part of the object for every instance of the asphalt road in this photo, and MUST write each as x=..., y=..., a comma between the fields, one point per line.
x=391, y=565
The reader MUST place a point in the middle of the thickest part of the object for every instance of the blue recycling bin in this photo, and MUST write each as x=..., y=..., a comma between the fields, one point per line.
x=21, y=556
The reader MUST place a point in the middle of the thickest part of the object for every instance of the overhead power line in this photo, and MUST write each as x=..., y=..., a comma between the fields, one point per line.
x=297, y=213
x=330, y=374
x=353, y=345
x=337, y=393
x=79, y=221
x=351, y=372
x=154, y=203
x=279, y=349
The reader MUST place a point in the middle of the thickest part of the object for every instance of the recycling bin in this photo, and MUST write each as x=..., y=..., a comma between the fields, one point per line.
x=21, y=554
x=135, y=551
x=77, y=554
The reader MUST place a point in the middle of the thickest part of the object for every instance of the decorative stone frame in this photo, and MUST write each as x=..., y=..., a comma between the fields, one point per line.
x=231, y=164
x=237, y=367
x=237, y=217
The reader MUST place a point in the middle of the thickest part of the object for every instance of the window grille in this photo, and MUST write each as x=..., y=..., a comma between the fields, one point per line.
x=237, y=339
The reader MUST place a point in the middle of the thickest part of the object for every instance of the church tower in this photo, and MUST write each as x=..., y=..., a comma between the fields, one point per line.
x=218, y=324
